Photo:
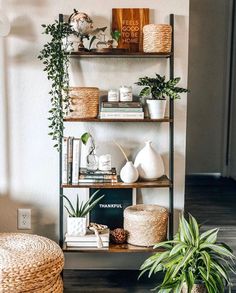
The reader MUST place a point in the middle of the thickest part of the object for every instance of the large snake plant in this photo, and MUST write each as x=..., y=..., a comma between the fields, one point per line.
x=191, y=258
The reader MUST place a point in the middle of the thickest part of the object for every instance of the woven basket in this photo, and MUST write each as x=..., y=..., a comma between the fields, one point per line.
x=30, y=263
x=157, y=38
x=83, y=102
x=146, y=224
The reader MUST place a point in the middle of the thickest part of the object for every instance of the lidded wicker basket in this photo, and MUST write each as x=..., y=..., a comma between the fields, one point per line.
x=157, y=38
x=146, y=224
x=83, y=102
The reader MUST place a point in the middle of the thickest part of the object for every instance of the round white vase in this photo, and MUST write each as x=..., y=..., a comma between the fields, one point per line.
x=129, y=173
x=156, y=108
x=149, y=163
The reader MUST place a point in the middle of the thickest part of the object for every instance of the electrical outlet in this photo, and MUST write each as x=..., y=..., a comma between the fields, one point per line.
x=24, y=219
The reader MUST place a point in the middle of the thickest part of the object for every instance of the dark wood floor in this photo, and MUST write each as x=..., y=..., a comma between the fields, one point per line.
x=211, y=200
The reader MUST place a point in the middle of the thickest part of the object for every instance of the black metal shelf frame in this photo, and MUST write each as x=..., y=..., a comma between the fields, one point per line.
x=171, y=151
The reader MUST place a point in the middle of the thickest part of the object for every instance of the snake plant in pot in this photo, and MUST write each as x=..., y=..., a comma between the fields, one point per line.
x=157, y=89
x=77, y=221
x=192, y=261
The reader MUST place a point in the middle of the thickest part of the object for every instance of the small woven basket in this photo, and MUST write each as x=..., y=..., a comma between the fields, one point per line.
x=146, y=224
x=83, y=102
x=157, y=38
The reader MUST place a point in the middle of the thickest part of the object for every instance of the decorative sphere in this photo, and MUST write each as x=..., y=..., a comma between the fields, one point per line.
x=81, y=23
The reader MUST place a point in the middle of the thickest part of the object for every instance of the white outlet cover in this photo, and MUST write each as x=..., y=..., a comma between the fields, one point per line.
x=24, y=219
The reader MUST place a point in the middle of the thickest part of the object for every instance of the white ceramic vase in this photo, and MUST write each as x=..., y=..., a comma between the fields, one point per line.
x=149, y=163
x=76, y=226
x=129, y=173
x=156, y=108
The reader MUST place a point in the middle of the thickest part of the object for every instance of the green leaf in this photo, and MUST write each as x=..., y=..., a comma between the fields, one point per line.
x=218, y=249
x=207, y=261
x=145, y=92
x=85, y=137
x=71, y=206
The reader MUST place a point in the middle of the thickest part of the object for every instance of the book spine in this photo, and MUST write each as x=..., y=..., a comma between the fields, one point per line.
x=84, y=171
x=97, y=180
x=91, y=238
x=65, y=160
x=76, y=160
x=111, y=177
x=86, y=244
x=121, y=105
x=70, y=159
x=129, y=110
x=121, y=115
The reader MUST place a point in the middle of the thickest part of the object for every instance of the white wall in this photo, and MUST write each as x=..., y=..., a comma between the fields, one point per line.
x=29, y=177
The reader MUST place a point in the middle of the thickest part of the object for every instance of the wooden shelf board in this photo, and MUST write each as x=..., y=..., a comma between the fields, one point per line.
x=161, y=182
x=166, y=119
x=113, y=54
x=113, y=248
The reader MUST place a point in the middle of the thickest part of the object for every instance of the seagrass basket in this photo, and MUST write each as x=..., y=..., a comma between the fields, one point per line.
x=146, y=224
x=157, y=38
x=83, y=102
x=30, y=263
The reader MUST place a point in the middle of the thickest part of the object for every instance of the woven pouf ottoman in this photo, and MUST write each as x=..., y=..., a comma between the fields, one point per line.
x=146, y=224
x=30, y=263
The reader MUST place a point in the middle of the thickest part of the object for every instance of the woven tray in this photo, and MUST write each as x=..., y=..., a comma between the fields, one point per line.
x=146, y=224
x=157, y=38
x=83, y=102
x=30, y=263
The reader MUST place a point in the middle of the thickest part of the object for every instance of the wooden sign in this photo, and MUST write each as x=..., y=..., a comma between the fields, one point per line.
x=129, y=22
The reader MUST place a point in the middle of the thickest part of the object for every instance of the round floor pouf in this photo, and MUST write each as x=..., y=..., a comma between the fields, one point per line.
x=30, y=263
x=146, y=224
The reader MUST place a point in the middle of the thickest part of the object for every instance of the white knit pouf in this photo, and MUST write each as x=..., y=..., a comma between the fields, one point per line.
x=146, y=224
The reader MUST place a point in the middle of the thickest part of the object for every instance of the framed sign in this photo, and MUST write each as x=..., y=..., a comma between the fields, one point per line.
x=130, y=22
x=109, y=211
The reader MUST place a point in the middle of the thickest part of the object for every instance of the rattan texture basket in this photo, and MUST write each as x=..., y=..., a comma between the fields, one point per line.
x=146, y=224
x=30, y=263
x=157, y=38
x=83, y=102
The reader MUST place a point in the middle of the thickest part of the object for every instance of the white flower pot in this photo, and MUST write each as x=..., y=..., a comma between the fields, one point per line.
x=156, y=108
x=76, y=226
x=197, y=288
x=149, y=163
x=129, y=173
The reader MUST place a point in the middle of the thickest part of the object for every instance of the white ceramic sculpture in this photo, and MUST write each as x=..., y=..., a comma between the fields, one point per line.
x=149, y=163
x=129, y=173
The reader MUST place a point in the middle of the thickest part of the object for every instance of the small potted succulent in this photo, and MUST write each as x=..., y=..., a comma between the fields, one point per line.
x=192, y=262
x=77, y=221
x=157, y=89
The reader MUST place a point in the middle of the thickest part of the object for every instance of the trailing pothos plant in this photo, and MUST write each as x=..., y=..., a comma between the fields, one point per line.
x=56, y=62
x=191, y=258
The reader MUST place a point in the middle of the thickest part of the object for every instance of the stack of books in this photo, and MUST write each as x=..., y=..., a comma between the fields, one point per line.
x=121, y=110
x=71, y=149
x=98, y=176
x=89, y=241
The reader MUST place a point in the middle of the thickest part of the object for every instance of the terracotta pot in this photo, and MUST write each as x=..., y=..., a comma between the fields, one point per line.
x=197, y=288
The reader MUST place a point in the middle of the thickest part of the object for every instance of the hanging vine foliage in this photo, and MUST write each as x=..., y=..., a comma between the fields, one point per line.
x=56, y=62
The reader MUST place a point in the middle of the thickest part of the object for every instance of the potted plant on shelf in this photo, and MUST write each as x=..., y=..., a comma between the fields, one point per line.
x=56, y=61
x=192, y=262
x=157, y=89
x=77, y=221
